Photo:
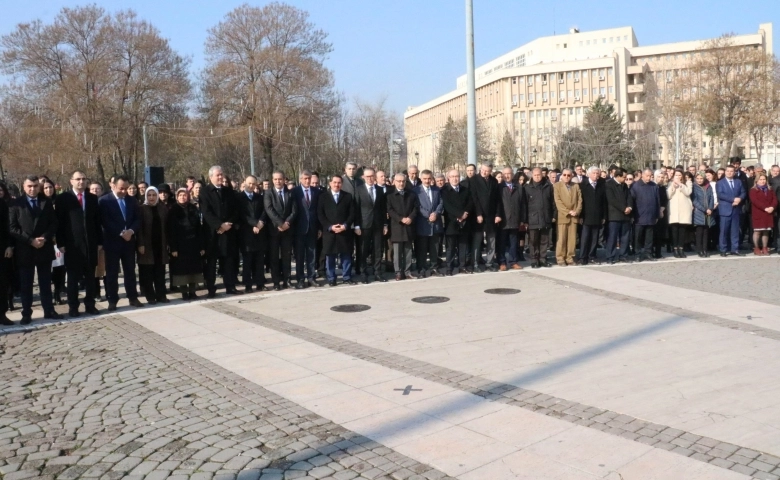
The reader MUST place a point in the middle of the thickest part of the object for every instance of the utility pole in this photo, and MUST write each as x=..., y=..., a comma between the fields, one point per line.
x=251, y=150
x=471, y=98
x=676, y=141
x=146, y=152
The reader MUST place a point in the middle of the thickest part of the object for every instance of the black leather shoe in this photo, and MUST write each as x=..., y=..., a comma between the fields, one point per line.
x=26, y=320
x=546, y=264
x=536, y=265
x=351, y=282
x=299, y=286
x=277, y=287
x=5, y=321
x=52, y=316
x=164, y=300
x=285, y=286
x=436, y=273
x=92, y=311
x=364, y=281
x=136, y=303
x=248, y=289
x=381, y=279
x=211, y=295
x=150, y=302
x=449, y=273
x=73, y=313
x=738, y=254
x=111, y=307
x=233, y=291
x=332, y=283
x=398, y=277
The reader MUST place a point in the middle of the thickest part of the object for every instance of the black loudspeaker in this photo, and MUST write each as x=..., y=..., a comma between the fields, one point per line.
x=154, y=176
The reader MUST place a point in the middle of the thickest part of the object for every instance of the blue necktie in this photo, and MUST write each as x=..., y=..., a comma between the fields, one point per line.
x=122, y=208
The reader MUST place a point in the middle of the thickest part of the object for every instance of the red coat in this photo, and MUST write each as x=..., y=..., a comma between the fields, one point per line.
x=760, y=200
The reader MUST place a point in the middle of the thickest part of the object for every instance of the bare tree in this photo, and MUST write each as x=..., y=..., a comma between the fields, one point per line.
x=370, y=126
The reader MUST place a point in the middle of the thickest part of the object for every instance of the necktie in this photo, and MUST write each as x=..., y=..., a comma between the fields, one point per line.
x=593, y=184
x=81, y=200
x=457, y=189
x=731, y=184
x=122, y=208
x=34, y=203
x=281, y=198
x=428, y=192
x=509, y=185
x=336, y=197
x=308, y=202
x=373, y=194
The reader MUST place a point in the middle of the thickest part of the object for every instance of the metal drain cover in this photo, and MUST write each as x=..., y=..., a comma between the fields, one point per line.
x=502, y=291
x=430, y=299
x=350, y=308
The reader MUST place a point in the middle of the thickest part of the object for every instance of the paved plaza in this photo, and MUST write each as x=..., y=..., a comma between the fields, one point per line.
x=663, y=370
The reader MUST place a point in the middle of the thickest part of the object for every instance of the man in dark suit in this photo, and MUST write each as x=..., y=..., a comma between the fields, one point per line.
x=593, y=215
x=428, y=225
x=281, y=211
x=402, y=208
x=484, y=191
x=253, y=233
x=371, y=215
x=413, y=178
x=307, y=230
x=384, y=184
x=731, y=195
x=619, y=210
x=221, y=216
x=33, y=226
x=458, y=210
x=513, y=210
x=6, y=253
x=336, y=212
x=120, y=218
x=79, y=237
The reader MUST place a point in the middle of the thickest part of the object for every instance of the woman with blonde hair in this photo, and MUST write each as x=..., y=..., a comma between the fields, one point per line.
x=680, y=211
x=763, y=203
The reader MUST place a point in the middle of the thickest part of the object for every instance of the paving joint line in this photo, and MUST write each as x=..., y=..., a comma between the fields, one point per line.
x=707, y=450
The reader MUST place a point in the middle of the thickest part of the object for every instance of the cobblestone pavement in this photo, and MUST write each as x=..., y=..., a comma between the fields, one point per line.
x=108, y=399
x=747, y=278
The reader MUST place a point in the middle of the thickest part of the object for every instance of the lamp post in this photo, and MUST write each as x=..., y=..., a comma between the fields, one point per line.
x=471, y=100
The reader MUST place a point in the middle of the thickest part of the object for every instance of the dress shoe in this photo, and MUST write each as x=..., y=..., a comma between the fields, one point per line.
x=5, y=321
x=516, y=267
x=248, y=289
x=398, y=277
x=211, y=294
x=449, y=273
x=546, y=264
x=738, y=254
x=73, y=313
x=410, y=276
x=52, y=316
x=536, y=264
x=26, y=320
x=502, y=268
x=150, y=302
x=277, y=287
x=111, y=307
x=706, y=254
x=92, y=311
x=611, y=262
x=164, y=300
x=332, y=283
x=285, y=286
x=299, y=286
x=350, y=282
x=724, y=254
x=380, y=278
x=234, y=291
x=469, y=270
x=436, y=273
x=136, y=303
x=364, y=281
x=682, y=254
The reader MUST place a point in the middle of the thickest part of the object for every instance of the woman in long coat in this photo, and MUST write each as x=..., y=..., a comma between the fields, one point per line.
x=187, y=245
x=703, y=199
x=763, y=203
x=680, y=211
x=153, y=247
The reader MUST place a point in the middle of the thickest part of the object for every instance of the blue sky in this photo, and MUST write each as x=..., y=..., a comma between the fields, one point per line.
x=413, y=50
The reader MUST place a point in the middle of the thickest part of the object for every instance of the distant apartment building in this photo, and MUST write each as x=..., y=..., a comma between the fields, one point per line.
x=542, y=89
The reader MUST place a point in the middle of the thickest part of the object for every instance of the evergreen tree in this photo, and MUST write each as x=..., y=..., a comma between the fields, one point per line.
x=508, y=150
x=606, y=142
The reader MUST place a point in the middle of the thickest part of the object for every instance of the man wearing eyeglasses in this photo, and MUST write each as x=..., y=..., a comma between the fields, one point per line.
x=568, y=202
x=79, y=237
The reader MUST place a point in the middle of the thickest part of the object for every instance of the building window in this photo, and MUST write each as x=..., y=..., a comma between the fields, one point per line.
x=544, y=96
x=514, y=81
x=595, y=73
x=584, y=92
x=514, y=99
x=603, y=40
x=588, y=42
x=552, y=94
x=579, y=110
x=595, y=92
x=538, y=114
x=571, y=111
x=521, y=97
x=568, y=75
x=601, y=72
x=530, y=98
x=533, y=132
x=577, y=75
x=611, y=71
x=611, y=39
x=570, y=94
x=577, y=93
x=516, y=116
x=522, y=115
x=611, y=90
x=580, y=43
x=546, y=113
x=538, y=78
x=603, y=91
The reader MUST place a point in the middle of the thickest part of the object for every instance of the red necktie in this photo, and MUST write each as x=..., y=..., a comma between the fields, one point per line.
x=81, y=200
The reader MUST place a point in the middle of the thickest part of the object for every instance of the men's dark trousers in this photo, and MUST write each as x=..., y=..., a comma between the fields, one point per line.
x=507, y=247
x=153, y=280
x=125, y=257
x=643, y=235
x=459, y=243
x=254, y=269
x=372, y=243
x=305, y=256
x=280, y=251
x=426, y=247
x=618, y=233
x=76, y=272
x=26, y=279
x=539, y=240
x=589, y=241
x=729, y=233
x=229, y=270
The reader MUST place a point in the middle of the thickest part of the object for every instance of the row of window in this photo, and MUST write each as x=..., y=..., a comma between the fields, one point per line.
x=549, y=112
x=542, y=77
x=562, y=95
x=595, y=41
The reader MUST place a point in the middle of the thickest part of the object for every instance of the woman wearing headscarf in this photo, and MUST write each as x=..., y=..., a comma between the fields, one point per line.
x=763, y=203
x=153, y=247
x=58, y=265
x=187, y=245
x=703, y=199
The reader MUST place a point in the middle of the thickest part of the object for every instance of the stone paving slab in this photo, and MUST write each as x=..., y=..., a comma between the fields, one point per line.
x=108, y=399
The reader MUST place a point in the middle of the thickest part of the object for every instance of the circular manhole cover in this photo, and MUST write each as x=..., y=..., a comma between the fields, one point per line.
x=430, y=299
x=350, y=308
x=502, y=291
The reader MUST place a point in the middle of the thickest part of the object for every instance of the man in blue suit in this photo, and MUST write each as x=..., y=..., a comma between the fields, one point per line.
x=428, y=226
x=307, y=230
x=121, y=218
x=731, y=194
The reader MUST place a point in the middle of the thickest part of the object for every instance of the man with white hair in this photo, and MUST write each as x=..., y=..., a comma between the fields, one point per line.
x=484, y=191
x=593, y=216
x=402, y=208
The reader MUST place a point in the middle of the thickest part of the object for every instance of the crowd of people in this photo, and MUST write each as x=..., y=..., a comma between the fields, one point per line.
x=416, y=223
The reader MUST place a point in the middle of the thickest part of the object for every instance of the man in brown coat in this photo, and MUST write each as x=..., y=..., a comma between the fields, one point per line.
x=402, y=208
x=568, y=202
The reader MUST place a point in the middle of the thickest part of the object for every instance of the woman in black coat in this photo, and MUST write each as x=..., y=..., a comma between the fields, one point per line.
x=186, y=244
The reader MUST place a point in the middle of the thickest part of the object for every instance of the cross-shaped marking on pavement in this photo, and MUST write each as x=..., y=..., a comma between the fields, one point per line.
x=407, y=390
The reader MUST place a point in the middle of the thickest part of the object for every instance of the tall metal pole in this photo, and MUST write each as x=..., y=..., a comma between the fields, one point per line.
x=676, y=141
x=391, y=152
x=251, y=150
x=471, y=98
x=146, y=152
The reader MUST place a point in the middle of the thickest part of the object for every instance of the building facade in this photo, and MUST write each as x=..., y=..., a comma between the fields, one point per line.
x=542, y=89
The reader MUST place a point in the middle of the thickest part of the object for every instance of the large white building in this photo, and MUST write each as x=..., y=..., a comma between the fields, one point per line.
x=543, y=87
